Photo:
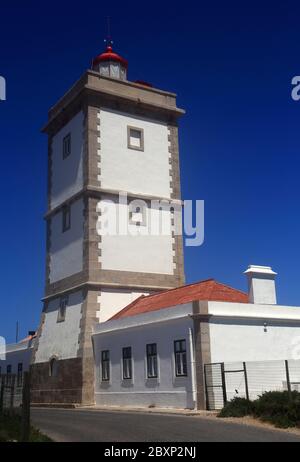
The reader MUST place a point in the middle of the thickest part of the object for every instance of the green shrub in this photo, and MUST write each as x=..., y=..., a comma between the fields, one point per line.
x=238, y=407
x=280, y=408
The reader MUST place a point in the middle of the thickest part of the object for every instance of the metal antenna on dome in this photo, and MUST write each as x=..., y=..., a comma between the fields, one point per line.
x=108, y=39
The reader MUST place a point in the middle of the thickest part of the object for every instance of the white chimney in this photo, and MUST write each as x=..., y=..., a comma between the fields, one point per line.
x=261, y=283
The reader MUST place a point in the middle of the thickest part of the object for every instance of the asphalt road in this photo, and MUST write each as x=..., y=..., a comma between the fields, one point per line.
x=104, y=426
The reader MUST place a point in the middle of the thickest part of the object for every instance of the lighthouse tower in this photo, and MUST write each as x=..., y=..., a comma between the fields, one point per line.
x=112, y=154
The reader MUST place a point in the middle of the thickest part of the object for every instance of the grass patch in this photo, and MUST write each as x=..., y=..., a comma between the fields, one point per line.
x=10, y=430
x=280, y=408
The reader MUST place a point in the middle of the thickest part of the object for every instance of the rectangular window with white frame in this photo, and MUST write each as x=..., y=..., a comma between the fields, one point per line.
x=105, y=366
x=180, y=358
x=135, y=138
x=62, y=309
x=152, y=366
x=127, y=363
x=67, y=146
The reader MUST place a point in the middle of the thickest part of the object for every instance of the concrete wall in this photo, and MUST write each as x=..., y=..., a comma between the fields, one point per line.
x=67, y=174
x=166, y=391
x=66, y=248
x=60, y=338
x=123, y=169
x=137, y=249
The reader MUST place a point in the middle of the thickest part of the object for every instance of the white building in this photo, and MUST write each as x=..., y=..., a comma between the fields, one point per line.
x=17, y=356
x=175, y=333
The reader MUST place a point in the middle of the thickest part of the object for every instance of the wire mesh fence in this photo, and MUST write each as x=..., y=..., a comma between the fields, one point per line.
x=225, y=381
x=15, y=399
x=11, y=390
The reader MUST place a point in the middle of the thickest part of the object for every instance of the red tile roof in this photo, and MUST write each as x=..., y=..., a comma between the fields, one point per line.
x=209, y=290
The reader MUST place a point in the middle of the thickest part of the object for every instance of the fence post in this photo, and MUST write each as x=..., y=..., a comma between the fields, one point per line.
x=2, y=393
x=288, y=378
x=25, y=430
x=206, y=389
x=223, y=383
x=246, y=381
x=12, y=393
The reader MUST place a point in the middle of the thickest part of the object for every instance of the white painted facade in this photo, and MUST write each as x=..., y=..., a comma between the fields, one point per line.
x=113, y=300
x=142, y=248
x=139, y=172
x=17, y=353
x=60, y=339
x=66, y=251
x=162, y=327
x=248, y=332
x=67, y=174
x=261, y=284
x=262, y=335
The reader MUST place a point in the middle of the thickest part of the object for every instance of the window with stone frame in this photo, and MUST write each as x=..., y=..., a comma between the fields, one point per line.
x=67, y=146
x=66, y=218
x=137, y=213
x=53, y=367
x=62, y=309
x=135, y=138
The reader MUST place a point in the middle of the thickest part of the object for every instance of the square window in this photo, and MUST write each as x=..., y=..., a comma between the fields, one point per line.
x=138, y=213
x=67, y=146
x=66, y=218
x=135, y=138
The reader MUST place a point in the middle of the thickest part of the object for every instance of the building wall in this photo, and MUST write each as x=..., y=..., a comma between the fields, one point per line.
x=111, y=301
x=143, y=248
x=67, y=174
x=60, y=339
x=234, y=338
x=15, y=354
x=66, y=248
x=166, y=391
x=240, y=340
x=123, y=169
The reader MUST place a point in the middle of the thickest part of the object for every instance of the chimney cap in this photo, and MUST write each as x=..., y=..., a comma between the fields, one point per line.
x=256, y=269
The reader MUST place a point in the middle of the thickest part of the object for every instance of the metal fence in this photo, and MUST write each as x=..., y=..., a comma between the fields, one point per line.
x=225, y=381
x=15, y=398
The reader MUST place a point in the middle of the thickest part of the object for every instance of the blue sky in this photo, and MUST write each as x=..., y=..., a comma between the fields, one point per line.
x=231, y=64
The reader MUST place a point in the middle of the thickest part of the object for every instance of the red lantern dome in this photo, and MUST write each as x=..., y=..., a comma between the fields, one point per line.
x=110, y=64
